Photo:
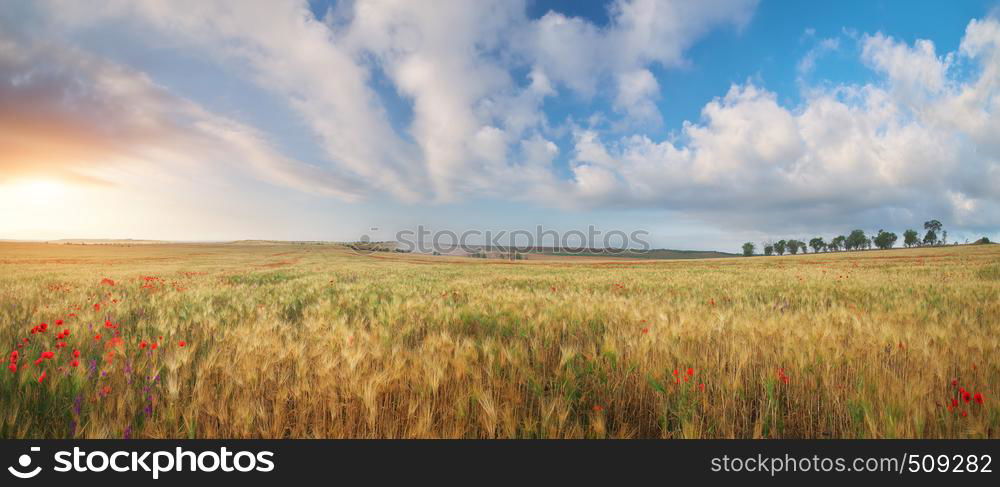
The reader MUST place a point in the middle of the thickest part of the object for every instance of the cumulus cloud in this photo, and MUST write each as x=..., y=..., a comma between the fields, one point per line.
x=921, y=142
x=637, y=91
x=577, y=54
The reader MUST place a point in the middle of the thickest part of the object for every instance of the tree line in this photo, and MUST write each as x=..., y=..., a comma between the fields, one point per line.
x=856, y=240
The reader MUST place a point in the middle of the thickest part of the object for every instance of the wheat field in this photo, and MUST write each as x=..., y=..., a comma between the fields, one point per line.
x=314, y=341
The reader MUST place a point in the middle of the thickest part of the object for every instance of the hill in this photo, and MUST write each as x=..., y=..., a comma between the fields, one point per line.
x=663, y=254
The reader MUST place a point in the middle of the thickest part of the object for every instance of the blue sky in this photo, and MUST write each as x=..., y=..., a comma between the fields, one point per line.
x=705, y=123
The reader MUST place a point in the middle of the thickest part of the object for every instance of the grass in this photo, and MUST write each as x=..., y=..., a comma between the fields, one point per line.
x=313, y=341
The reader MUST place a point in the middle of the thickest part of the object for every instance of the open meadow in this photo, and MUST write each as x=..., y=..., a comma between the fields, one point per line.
x=314, y=341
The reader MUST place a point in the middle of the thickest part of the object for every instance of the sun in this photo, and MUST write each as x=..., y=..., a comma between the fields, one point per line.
x=35, y=191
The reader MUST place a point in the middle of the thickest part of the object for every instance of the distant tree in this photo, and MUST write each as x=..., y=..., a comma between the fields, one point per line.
x=930, y=238
x=944, y=237
x=792, y=246
x=817, y=244
x=748, y=249
x=838, y=242
x=911, y=238
x=933, y=227
x=885, y=240
x=780, y=246
x=768, y=249
x=856, y=240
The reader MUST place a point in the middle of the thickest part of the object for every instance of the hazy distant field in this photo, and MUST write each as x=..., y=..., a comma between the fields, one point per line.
x=315, y=341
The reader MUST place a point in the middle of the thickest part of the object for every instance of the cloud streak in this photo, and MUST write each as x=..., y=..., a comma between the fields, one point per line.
x=71, y=115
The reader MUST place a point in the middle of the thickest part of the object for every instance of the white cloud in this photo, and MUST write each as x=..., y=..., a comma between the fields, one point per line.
x=808, y=62
x=453, y=62
x=637, y=91
x=921, y=140
x=576, y=53
x=914, y=72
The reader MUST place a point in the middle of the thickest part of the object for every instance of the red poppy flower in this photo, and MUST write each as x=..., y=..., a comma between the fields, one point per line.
x=13, y=356
x=954, y=382
x=12, y=367
x=954, y=402
x=966, y=396
x=781, y=376
x=645, y=331
x=65, y=333
x=76, y=354
x=598, y=408
x=154, y=346
x=979, y=398
x=690, y=372
x=59, y=322
x=142, y=344
x=964, y=414
x=675, y=371
x=97, y=337
x=107, y=281
x=41, y=377
x=106, y=390
x=181, y=343
x=75, y=363
x=38, y=362
x=47, y=355
x=43, y=326
x=702, y=387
